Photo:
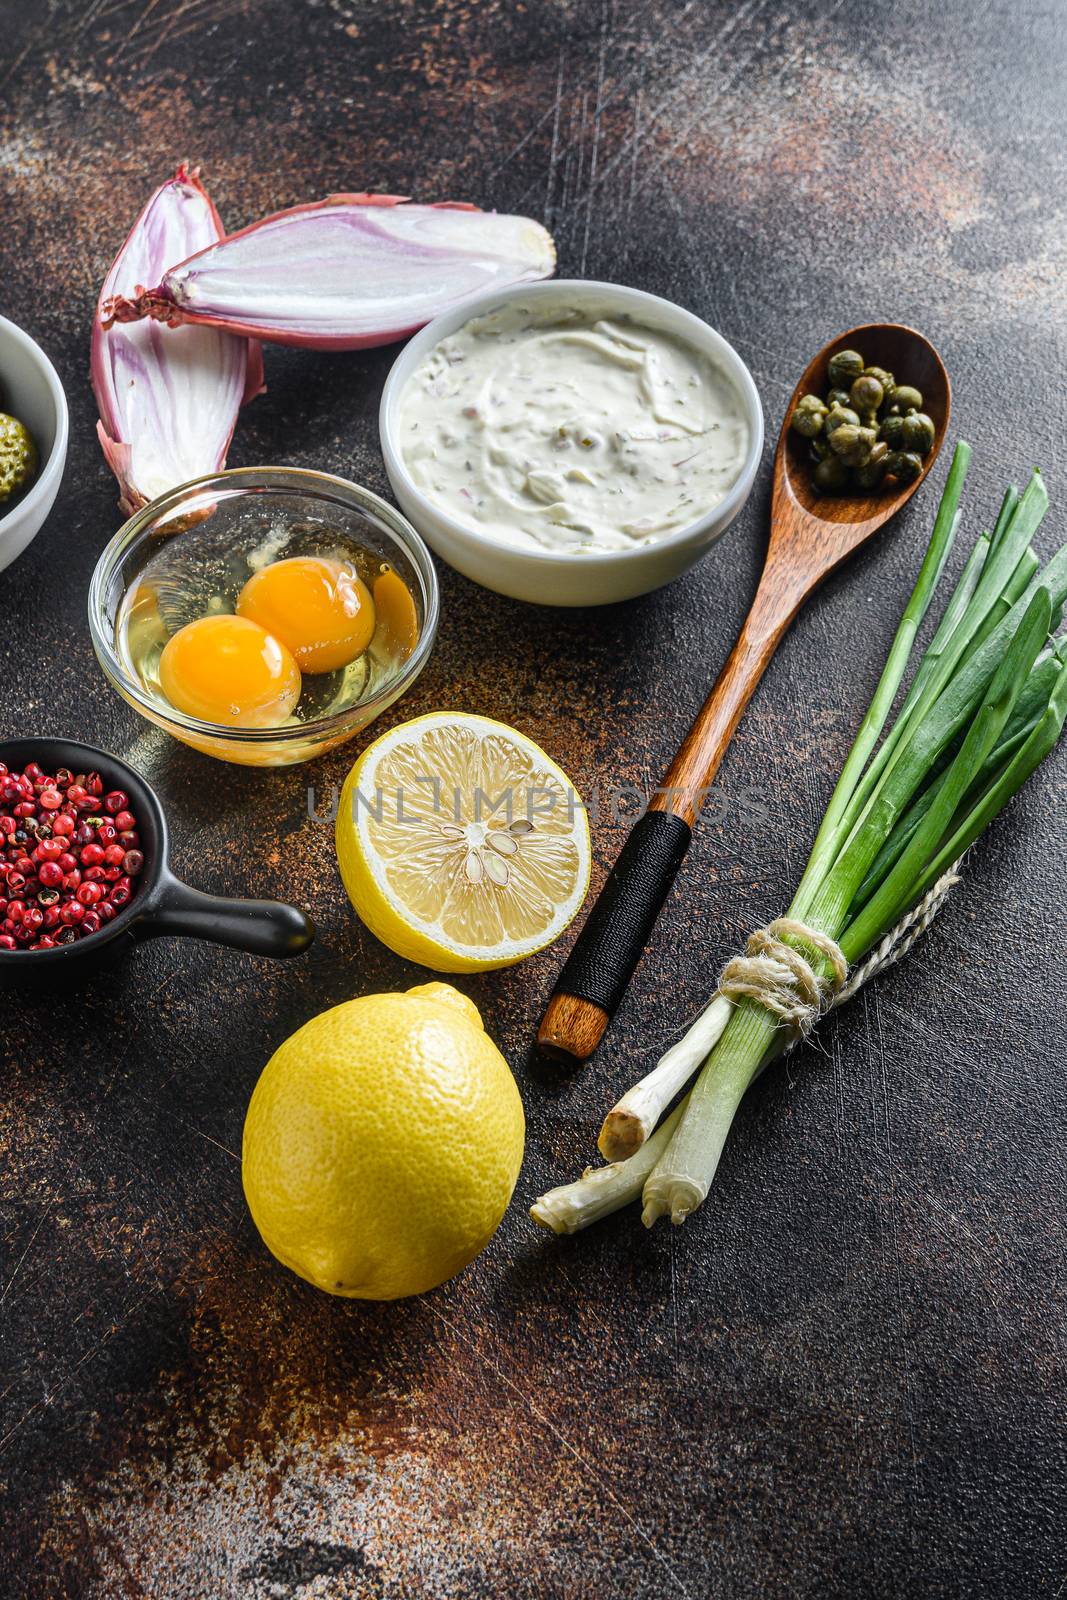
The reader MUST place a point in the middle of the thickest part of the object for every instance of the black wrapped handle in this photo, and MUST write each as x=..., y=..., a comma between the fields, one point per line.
x=620, y=923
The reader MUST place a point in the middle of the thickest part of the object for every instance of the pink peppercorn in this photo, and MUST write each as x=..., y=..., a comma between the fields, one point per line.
x=69, y=852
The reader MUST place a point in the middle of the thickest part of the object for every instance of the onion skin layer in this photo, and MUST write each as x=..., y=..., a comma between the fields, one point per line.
x=230, y=370
x=169, y=301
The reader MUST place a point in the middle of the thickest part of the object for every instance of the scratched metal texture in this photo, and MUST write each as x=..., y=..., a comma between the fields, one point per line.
x=846, y=1376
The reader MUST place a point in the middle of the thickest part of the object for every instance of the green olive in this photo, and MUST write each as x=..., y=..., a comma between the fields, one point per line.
x=870, y=475
x=917, y=433
x=837, y=397
x=904, y=465
x=906, y=399
x=840, y=417
x=866, y=393
x=830, y=475
x=886, y=379
x=852, y=444
x=809, y=416
x=18, y=456
x=844, y=368
x=891, y=430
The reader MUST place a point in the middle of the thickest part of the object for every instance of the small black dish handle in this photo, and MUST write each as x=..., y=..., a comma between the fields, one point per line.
x=261, y=927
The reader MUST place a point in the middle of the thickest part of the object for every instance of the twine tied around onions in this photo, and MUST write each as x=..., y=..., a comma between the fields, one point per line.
x=779, y=977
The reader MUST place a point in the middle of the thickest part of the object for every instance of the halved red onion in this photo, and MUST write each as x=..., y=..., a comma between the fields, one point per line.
x=344, y=273
x=168, y=402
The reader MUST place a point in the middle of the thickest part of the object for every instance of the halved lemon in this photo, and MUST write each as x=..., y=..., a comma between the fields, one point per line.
x=461, y=844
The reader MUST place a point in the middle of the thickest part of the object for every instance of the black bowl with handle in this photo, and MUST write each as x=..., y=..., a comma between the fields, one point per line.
x=161, y=905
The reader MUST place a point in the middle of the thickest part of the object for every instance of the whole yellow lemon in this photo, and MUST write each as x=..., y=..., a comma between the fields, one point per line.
x=382, y=1144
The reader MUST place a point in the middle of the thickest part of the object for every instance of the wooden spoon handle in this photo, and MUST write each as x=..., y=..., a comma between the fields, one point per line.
x=685, y=788
x=607, y=950
x=599, y=967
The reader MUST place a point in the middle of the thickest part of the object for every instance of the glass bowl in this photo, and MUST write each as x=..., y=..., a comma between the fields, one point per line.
x=239, y=500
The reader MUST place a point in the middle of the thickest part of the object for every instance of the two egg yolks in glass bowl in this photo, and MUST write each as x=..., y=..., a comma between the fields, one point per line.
x=304, y=615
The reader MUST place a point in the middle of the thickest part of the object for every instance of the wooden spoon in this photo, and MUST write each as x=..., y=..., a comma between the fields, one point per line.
x=811, y=534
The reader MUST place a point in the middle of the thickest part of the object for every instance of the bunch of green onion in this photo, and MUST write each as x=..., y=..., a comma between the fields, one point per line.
x=985, y=705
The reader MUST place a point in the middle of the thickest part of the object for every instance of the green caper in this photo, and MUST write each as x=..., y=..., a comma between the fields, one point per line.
x=917, y=432
x=891, y=429
x=866, y=428
x=852, y=444
x=866, y=393
x=904, y=465
x=830, y=475
x=886, y=379
x=844, y=368
x=809, y=416
x=840, y=417
x=906, y=399
x=870, y=475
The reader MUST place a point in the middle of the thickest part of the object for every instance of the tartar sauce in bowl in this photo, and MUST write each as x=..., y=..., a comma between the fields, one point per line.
x=570, y=428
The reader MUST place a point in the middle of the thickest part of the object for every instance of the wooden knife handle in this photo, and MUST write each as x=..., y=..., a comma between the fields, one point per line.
x=607, y=950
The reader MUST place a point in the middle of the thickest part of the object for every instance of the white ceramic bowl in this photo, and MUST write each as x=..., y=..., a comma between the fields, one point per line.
x=588, y=578
x=30, y=390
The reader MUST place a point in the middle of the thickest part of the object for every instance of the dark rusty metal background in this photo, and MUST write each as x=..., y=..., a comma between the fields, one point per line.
x=846, y=1377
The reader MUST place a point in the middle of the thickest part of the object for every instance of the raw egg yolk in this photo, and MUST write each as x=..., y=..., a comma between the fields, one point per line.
x=397, y=616
x=318, y=608
x=229, y=670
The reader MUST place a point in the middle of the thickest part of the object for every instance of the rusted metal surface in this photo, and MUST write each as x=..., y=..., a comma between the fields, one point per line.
x=847, y=1375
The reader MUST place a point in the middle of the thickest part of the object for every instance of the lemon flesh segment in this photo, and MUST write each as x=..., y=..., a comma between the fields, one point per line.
x=461, y=843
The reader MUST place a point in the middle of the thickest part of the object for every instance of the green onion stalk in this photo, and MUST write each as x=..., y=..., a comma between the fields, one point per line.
x=986, y=703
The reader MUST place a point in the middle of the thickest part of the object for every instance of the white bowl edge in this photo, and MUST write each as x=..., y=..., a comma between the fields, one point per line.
x=31, y=391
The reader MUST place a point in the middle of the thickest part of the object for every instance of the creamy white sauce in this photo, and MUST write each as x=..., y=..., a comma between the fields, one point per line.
x=571, y=429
